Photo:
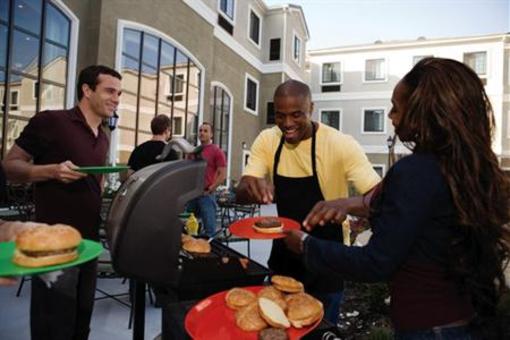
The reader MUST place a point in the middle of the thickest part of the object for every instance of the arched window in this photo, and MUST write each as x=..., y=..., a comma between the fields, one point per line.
x=157, y=78
x=221, y=103
x=34, y=59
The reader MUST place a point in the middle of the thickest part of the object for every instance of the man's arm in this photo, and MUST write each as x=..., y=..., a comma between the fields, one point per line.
x=219, y=177
x=254, y=190
x=20, y=169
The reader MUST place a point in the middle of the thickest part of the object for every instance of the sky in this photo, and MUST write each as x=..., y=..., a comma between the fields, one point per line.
x=334, y=23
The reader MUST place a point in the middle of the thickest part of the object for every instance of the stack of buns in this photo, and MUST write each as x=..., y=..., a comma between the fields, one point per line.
x=195, y=245
x=281, y=305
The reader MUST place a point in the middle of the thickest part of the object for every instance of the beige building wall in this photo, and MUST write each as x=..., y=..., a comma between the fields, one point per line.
x=184, y=25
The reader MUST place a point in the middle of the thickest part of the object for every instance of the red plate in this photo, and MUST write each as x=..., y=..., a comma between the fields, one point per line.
x=244, y=228
x=212, y=319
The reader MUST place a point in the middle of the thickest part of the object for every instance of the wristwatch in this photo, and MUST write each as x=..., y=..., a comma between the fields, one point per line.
x=304, y=236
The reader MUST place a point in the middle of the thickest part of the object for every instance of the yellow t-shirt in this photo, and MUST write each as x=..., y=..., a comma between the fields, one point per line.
x=340, y=159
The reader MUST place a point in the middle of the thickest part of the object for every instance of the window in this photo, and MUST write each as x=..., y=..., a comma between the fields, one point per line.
x=157, y=79
x=379, y=168
x=274, y=49
x=39, y=34
x=331, y=118
x=227, y=8
x=331, y=73
x=296, y=50
x=14, y=101
x=254, y=28
x=375, y=70
x=177, y=94
x=373, y=120
x=251, y=94
x=417, y=58
x=177, y=126
x=225, y=24
x=270, y=113
x=478, y=62
x=220, y=107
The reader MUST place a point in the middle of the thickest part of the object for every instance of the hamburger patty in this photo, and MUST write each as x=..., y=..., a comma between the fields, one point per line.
x=273, y=334
x=269, y=222
x=48, y=252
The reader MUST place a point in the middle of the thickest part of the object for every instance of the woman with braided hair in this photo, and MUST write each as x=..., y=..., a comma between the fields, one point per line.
x=439, y=219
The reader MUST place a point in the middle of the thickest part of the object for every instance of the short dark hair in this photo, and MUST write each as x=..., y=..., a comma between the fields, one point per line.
x=89, y=76
x=293, y=88
x=159, y=124
x=209, y=124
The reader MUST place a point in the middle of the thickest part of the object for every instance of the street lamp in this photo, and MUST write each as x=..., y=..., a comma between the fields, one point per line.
x=390, y=142
x=112, y=121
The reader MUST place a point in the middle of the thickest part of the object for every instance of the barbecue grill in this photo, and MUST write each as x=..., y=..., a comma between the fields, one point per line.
x=144, y=235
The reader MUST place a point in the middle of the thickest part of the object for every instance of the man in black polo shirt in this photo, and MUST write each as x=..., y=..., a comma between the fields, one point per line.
x=48, y=151
x=145, y=154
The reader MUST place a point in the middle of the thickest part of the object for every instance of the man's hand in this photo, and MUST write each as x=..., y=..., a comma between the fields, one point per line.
x=255, y=190
x=293, y=240
x=66, y=172
x=7, y=281
x=326, y=211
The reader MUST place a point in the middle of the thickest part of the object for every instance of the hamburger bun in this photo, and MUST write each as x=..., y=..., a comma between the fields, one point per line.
x=303, y=309
x=197, y=245
x=287, y=284
x=248, y=318
x=268, y=225
x=46, y=245
x=185, y=238
x=273, y=294
x=237, y=298
x=273, y=314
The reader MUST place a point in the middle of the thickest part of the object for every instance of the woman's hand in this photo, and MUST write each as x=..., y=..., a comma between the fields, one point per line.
x=294, y=240
x=327, y=211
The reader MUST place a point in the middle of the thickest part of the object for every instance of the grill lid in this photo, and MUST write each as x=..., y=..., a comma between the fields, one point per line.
x=143, y=227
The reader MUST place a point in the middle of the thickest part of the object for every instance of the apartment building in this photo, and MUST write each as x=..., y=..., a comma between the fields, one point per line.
x=194, y=60
x=352, y=86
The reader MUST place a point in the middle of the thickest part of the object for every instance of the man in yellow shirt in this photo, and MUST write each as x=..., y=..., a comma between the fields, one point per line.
x=297, y=164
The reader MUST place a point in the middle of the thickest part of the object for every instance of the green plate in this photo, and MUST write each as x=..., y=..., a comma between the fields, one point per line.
x=102, y=169
x=87, y=250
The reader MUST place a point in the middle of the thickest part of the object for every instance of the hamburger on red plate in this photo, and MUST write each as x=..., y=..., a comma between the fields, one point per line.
x=46, y=245
x=268, y=225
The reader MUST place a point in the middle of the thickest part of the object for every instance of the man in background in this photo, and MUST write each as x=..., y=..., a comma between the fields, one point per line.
x=48, y=152
x=145, y=154
x=205, y=206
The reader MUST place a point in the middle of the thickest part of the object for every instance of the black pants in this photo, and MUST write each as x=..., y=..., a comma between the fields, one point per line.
x=63, y=312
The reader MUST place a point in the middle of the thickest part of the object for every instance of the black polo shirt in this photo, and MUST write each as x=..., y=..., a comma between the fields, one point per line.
x=54, y=137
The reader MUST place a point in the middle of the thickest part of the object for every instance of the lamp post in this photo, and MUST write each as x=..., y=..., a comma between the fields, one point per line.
x=390, y=142
x=112, y=121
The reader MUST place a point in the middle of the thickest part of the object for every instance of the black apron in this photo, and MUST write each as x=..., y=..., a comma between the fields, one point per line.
x=295, y=197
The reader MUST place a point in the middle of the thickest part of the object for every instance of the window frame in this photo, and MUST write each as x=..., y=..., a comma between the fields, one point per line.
x=339, y=110
x=257, y=83
x=340, y=82
x=225, y=15
x=385, y=70
x=481, y=76
x=17, y=104
x=296, y=37
x=373, y=108
x=258, y=44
